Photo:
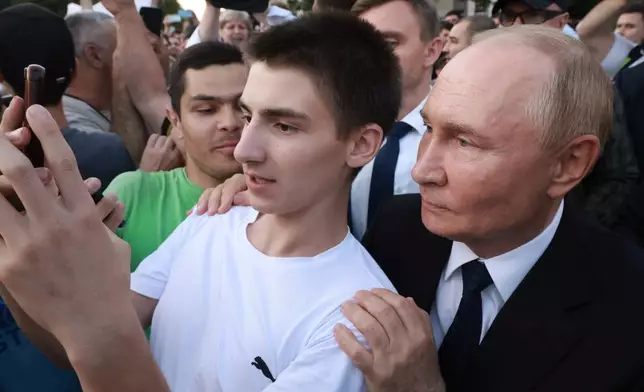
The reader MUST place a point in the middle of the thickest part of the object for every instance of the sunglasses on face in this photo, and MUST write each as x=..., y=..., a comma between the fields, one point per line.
x=507, y=17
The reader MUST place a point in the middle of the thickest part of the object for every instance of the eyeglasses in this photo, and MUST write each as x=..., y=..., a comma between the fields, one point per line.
x=508, y=17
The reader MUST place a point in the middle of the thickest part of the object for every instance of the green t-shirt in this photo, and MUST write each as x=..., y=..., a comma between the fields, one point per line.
x=155, y=204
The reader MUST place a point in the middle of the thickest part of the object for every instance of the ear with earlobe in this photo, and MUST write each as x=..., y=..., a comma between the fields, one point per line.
x=363, y=145
x=574, y=162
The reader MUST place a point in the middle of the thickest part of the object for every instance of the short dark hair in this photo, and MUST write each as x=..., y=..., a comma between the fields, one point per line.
x=356, y=69
x=425, y=9
x=479, y=23
x=198, y=57
x=334, y=5
x=455, y=13
x=446, y=25
x=634, y=8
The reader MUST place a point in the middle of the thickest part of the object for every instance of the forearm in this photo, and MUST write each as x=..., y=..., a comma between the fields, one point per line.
x=113, y=355
x=601, y=20
x=126, y=120
x=37, y=335
x=140, y=69
x=208, y=29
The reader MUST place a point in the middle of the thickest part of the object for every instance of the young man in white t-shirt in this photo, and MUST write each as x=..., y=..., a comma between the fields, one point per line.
x=248, y=301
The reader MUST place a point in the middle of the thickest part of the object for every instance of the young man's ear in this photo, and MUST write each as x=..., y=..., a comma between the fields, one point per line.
x=363, y=145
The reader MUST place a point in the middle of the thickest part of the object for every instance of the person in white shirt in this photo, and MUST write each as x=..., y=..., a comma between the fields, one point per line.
x=412, y=28
x=249, y=300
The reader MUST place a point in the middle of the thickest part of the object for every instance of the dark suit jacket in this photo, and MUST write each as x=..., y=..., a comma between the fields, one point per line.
x=574, y=324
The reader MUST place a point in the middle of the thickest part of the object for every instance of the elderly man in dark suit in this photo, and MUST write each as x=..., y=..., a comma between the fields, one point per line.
x=523, y=293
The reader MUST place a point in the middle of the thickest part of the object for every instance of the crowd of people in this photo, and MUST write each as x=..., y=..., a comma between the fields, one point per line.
x=366, y=197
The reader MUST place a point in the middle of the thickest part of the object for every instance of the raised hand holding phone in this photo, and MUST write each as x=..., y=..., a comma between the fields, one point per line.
x=34, y=90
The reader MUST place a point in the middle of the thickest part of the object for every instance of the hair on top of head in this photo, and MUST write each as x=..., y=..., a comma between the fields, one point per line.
x=479, y=23
x=576, y=99
x=634, y=8
x=198, y=57
x=356, y=69
x=425, y=10
x=334, y=5
x=88, y=27
x=445, y=25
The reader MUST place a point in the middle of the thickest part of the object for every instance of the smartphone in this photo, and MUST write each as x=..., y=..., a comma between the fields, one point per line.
x=34, y=90
x=153, y=19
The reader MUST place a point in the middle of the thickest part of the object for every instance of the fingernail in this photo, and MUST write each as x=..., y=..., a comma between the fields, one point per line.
x=44, y=174
x=38, y=112
x=14, y=135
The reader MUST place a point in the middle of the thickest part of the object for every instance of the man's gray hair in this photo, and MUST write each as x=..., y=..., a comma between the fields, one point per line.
x=230, y=15
x=88, y=27
x=576, y=99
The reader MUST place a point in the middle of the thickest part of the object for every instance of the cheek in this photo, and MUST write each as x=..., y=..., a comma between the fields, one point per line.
x=479, y=182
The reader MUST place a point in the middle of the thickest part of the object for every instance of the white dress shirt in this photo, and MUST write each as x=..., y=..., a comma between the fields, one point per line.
x=507, y=271
x=403, y=183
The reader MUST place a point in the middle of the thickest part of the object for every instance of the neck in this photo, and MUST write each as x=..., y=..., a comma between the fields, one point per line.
x=304, y=233
x=414, y=96
x=514, y=237
x=93, y=89
x=199, y=178
x=58, y=114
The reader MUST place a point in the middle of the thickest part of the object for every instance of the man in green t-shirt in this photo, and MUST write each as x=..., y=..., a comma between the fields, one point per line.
x=205, y=85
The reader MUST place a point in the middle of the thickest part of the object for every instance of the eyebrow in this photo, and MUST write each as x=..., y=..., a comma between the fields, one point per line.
x=462, y=129
x=212, y=98
x=392, y=34
x=277, y=112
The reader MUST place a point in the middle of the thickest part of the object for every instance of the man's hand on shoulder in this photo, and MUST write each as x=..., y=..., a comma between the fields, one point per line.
x=403, y=355
x=220, y=199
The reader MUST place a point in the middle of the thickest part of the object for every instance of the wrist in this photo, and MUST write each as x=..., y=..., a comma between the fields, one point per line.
x=87, y=342
x=126, y=13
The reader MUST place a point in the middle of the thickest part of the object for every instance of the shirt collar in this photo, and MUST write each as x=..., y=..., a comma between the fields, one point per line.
x=414, y=118
x=509, y=269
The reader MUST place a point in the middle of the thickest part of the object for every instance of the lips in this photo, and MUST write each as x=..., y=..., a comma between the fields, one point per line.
x=256, y=179
x=432, y=205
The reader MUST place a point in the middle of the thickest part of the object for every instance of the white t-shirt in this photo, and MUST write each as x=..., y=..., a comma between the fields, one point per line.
x=222, y=304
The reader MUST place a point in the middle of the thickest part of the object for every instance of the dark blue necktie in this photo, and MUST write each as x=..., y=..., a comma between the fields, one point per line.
x=384, y=168
x=464, y=335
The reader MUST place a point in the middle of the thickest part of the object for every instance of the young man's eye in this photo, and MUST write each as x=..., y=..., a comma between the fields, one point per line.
x=285, y=128
x=246, y=118
x=205, y=110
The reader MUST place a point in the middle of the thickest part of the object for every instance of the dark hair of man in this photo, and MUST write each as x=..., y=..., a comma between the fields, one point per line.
x=446, y=26
x=198, y=57
x=635, y=8
x=354, y=67
x=479, y=23
x=455, y=13
x=334, y=5
x=425, y=9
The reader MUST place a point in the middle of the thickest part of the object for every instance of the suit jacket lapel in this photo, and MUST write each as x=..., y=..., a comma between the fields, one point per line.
x=536, y=327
